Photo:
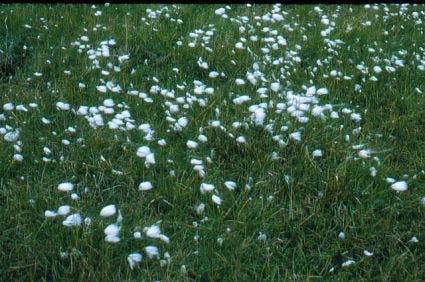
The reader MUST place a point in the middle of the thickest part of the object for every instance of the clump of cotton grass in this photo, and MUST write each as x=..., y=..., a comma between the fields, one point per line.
x=191, y=144
x=152, y=251
x=154, y=231
x=216, y=200
x=322, y=91
x=241, y=139
x=206, y=187
x=367, y=253
x=111, y=233
x=145, y=152
x=390, y=180
x=64, y=210
x=167, y=259
x=8, y=107
x=239, y=81
x=241, y=99
x=150, y=159
x=49, y=213
x=413, y=240
x=72, y=220
x=295, y=136
x=399, y=186
x=258, y=116
x=63, y=106
x=145, y=186
x=275, y=86
x=202, y=138
x=213, y=74
x=373, y=171
x=317, y=153
x=365, y=153
x=18, y=157
x=348, y=263
x=108, y=210
x=65, y=187
x=134, y=259
x=220, y=11
x=12, y=136
x=231, y=185
x=200, y=208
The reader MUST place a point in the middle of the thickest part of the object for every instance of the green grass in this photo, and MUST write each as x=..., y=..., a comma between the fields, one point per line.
x=299, y=202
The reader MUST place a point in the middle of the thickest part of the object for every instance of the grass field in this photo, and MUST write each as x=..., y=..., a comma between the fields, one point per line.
x=212, y=143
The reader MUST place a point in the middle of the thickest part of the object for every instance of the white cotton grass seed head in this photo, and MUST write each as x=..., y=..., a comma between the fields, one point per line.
x=183, y=121
x=295, y=136
x=231, y=185
x=220, y=11
x=275, y=86
x=191, y=144
x=111, y=232
x=317, y=153
x=206, y=187
x=152, y=251
x=145, y=186
x=64, y=210
x=150, y=159
x=133, y=259
x=12, y=136
x=216, y=199
x=72, y=220
x=87, y=221
x=202, y=138
x=137, y=235
x=240, y=81
x=18, y=157
x=213, y=74
x=413, y=240
x=152, y=231
x=377, y=69
x=8, y=107
x=109, y=210
x=65, y=187
x=348, y=263
x=373, y=171
x=241, y=139
x=311, y=91
x=241, y=99
x=322, y=91
x=49, y=213
x=390, y=180
x=365, y=153
x=63, y=106
x=143, y=151
x=367, y=253
x=399, y=186
x=21, y=108
x=200, y=208
x=164, y=238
